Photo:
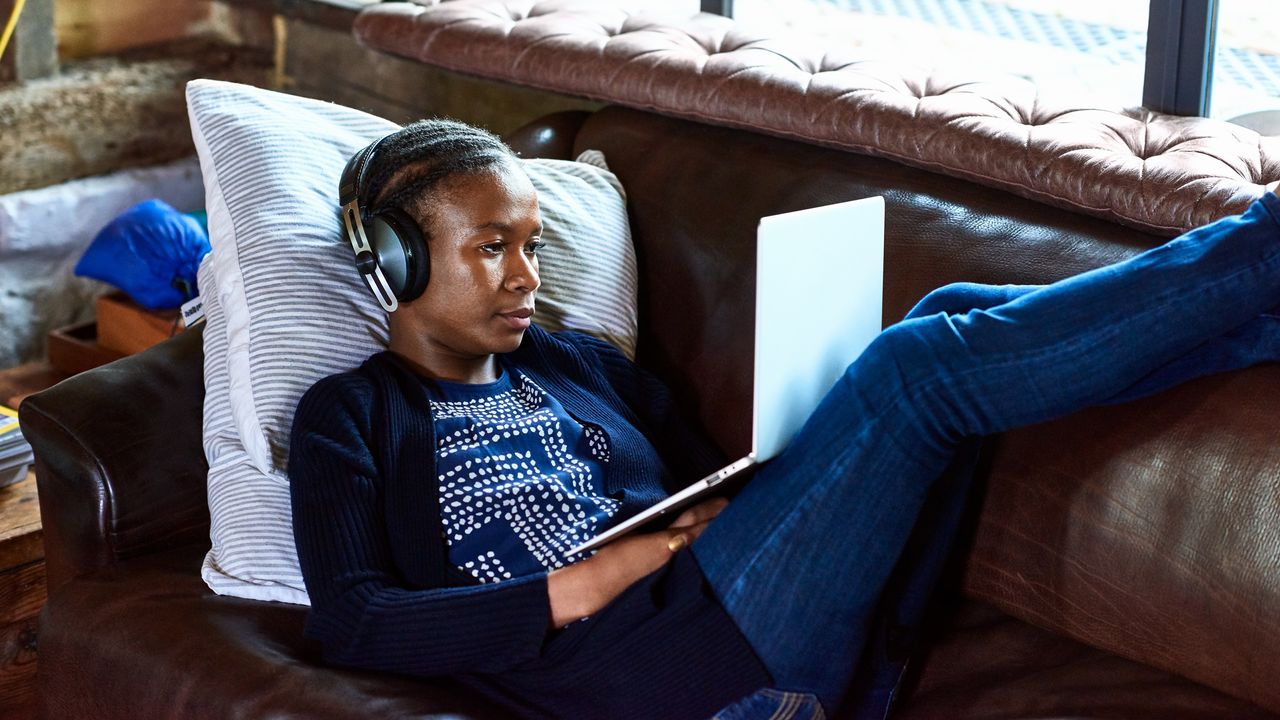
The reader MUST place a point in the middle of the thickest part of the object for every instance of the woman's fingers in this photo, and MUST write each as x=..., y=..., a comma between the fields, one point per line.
x=602, y=577
x=692, y=522
x=703, y=511
x=681, y=536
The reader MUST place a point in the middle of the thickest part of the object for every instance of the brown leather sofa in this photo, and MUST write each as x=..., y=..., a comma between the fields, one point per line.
x=1120, y=563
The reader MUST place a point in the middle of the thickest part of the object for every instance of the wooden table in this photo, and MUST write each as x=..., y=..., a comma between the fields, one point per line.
x=22, y=580
x=22, y=595
x=18, y=382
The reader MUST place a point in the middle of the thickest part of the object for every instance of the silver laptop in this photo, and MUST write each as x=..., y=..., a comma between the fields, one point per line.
x=819, y=283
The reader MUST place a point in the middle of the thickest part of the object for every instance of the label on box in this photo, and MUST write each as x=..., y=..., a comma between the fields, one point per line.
x=192, y=311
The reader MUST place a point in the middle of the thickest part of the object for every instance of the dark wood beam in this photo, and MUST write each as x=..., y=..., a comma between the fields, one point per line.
x=336, y=14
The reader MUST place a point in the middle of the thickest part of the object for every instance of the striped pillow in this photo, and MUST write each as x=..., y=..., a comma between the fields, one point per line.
x=285, y=307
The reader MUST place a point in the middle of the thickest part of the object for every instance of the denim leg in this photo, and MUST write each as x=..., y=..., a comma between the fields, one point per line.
x=1256, y=341
x=800, y=556
x=962, y=297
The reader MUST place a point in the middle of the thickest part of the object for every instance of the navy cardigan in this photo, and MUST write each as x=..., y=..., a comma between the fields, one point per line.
x=385, y=597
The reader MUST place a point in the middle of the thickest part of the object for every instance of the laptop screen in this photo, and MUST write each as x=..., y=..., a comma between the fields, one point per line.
x=819, y=288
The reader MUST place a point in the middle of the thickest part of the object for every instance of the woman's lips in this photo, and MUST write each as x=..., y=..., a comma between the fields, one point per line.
x=518, y=319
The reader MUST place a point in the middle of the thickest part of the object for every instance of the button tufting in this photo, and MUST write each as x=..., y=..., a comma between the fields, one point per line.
x=1086, y=152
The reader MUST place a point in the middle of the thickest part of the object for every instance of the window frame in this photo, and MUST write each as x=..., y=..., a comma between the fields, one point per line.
x=1181, y=37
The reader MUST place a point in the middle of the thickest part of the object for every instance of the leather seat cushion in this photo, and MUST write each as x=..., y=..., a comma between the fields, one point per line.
x=154, y=636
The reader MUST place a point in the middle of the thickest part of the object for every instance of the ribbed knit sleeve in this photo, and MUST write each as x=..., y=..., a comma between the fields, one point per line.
x=363, y=613
x=685, y=448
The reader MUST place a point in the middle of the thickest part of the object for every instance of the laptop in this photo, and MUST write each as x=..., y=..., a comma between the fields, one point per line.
x=819, y=284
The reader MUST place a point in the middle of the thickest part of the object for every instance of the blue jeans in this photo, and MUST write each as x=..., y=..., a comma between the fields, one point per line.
x=801, y=557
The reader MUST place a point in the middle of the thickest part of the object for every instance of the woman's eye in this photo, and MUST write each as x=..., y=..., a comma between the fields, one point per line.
x=493, y=248
x=534, y=246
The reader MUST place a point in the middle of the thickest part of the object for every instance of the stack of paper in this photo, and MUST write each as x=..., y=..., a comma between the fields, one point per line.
x=15, y=452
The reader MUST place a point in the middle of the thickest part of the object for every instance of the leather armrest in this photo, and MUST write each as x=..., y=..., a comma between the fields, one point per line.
x=119, y=461
x=551, y=136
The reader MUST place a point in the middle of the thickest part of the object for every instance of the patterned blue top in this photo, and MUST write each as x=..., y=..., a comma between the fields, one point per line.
x=520, y=479
x=385, y=595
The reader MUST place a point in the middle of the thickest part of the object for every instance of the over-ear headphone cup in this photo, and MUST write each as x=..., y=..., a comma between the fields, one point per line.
x=396, y=250
x=405, y=254
x=390, y=254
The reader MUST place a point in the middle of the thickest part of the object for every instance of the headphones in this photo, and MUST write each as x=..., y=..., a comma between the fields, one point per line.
x=391, y=255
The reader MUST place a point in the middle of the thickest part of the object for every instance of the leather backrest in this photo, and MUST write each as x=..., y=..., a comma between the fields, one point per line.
x=696, y=192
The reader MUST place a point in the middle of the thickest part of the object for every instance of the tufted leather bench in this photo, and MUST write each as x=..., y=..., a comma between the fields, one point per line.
x=1160, y=173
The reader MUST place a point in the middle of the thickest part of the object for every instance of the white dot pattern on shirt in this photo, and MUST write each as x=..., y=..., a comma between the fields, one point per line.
x=487, y=565
x=516, y=487
x=598, y=442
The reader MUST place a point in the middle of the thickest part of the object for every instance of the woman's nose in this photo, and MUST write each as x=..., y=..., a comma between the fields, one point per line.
x=522, y=273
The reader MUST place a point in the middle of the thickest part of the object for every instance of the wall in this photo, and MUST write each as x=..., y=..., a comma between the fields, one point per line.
x=43, y=233
x=97, y=136
x=117, y=103
x=103, y=114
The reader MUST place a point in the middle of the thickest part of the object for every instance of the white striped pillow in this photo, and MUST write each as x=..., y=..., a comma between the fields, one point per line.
x=285, y=307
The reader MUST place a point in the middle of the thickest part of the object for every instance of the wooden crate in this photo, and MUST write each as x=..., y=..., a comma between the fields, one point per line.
x=74, y=349
x=127, y=328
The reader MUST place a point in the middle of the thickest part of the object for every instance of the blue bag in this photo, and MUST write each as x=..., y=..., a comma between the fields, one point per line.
x=151, y=252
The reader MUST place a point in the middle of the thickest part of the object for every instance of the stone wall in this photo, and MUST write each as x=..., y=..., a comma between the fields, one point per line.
x=44, y=232
x=81, y=146
x=101, y=115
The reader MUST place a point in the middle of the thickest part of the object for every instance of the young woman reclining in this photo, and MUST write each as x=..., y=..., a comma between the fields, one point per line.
x=437, y=487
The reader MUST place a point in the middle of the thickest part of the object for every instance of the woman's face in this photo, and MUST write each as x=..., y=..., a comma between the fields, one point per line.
x=484, y=234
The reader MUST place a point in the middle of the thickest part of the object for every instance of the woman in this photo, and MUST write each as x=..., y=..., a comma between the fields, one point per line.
x=436, y=488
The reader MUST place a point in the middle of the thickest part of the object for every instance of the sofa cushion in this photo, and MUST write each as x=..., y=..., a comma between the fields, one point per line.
x=986, y=665
x=285, y=307
x=151, y=635
x=1148, y=529
x=152, y=640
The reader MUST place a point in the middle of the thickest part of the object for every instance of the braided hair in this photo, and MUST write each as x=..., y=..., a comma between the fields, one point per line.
x=423, y=154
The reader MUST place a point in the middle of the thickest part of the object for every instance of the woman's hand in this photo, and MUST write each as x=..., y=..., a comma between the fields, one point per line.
x=588, y=585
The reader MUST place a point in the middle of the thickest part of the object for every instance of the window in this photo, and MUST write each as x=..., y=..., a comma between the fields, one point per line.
x=1119, y=53
x=1246, y=66
x=1076, y=46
